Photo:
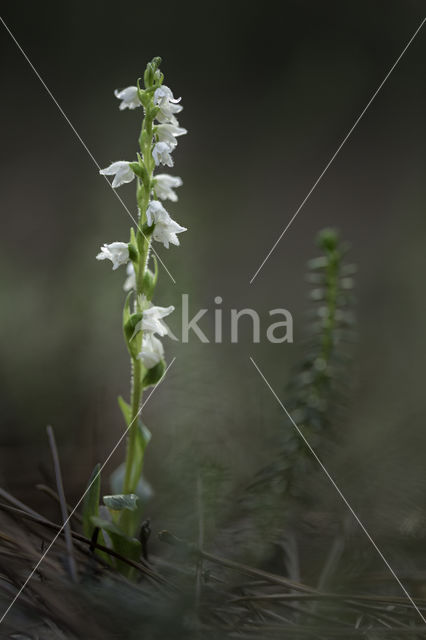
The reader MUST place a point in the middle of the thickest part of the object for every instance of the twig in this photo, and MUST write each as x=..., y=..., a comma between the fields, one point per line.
x=20, y=505
x=63, y=505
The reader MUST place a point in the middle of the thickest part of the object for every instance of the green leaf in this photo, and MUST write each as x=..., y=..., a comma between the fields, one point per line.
x=126, y=410
x=148, y=230
x=130, y=331
x=121, y=501
x=140, y=171
x=131, y=324
x=91, y=501
x=143, y=436
x=133, y=247
x=154, y=375
x=106, y=525
x=122, y=544
x=133, y=252
x=91, y=510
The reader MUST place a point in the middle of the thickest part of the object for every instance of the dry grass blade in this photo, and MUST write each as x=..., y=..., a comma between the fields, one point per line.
x=166, y=536
x=63, y=504
x=139, y=566
x=266, y=605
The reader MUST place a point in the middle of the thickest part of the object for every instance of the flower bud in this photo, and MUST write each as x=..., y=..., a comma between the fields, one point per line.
x=142, y=94
x=148, y=76
x=149, y=282
x=151, y=75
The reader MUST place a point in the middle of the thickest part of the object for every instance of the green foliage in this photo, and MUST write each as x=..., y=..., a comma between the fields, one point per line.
x=126, y=410
x=316, y=393
x=121, y=501
x=125, y=510
x=122, y=544
x=130, y=330
x=150, y=280
x=133, y=252
x=154, y=375
x=90, y=509
x=142, y=438
x=139, y=170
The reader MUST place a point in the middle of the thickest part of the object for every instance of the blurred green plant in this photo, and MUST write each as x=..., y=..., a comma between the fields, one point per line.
x=317, y=390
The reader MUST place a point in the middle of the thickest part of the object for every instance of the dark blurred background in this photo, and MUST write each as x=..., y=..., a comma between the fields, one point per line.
x=269, y=90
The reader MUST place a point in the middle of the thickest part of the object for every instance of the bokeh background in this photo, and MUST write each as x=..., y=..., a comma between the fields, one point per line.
x=269, y=91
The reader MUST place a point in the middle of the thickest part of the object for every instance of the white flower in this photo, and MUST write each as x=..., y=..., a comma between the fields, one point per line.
x=129, y=98
x=161, y=154
x=165, y=93
x=121, y=170
x=163, y=97
x=156, y=213
x=169, y=132
x=164, y=185
x=165, y=232
x=152, y=319
x=117, y=252
x=130, y=282
x=152, y=350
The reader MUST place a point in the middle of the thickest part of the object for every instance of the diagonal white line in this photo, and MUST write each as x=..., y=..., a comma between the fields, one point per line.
x=339, y=491
x=95, y=162
x=81, y=499
x=335, y=154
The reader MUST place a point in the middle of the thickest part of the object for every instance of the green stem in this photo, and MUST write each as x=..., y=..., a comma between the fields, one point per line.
x=143, y=196
x=137, y=393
